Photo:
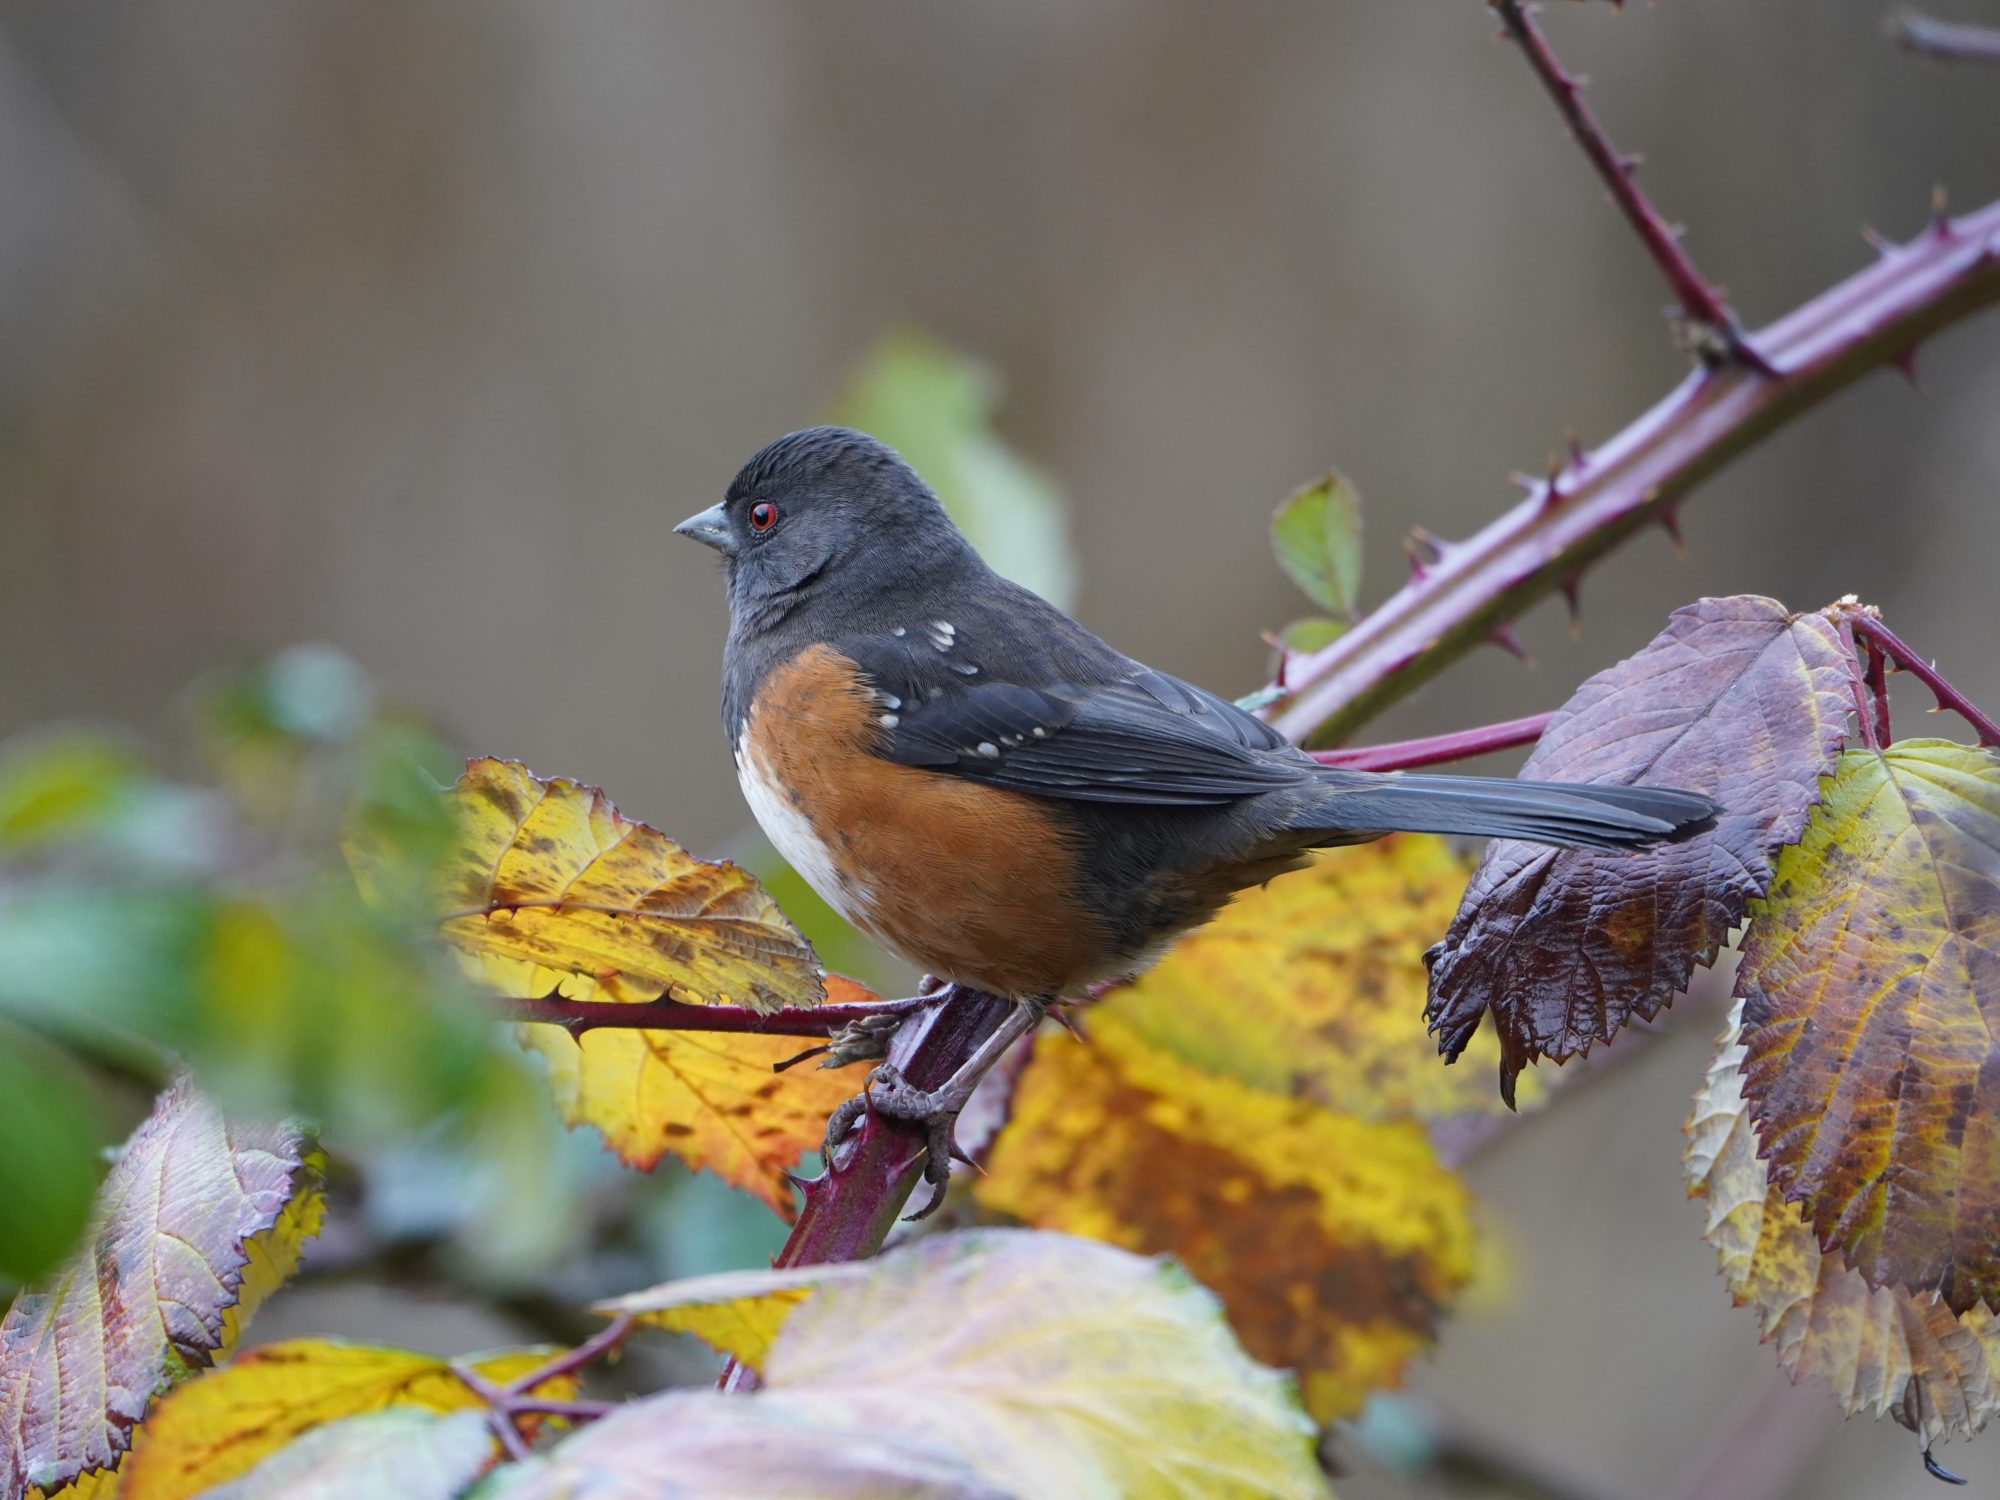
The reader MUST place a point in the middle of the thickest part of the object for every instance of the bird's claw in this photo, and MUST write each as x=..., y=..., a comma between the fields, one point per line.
x=887, y=1092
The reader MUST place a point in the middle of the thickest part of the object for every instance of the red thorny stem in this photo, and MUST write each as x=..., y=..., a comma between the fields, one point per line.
x=1716, y=334
x=580, y=1016
x=1881, y=642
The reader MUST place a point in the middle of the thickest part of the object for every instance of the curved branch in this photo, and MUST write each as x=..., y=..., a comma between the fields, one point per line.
x=1599, y=498
x=1718, y=337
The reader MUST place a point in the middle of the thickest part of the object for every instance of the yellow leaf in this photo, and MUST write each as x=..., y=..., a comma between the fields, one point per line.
x=1334, y=1242
x=709, y=1097
x=273, y=1256
x=1881, y=1350
x=1871, y=1019
x=737, y=1312
x=99, y=1484
x=979, y=1364
x=1314, y=985
x=221, y=1425
x=549, y=872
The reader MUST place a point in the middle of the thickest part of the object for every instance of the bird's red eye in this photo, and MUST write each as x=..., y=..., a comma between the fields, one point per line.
x=763, y=516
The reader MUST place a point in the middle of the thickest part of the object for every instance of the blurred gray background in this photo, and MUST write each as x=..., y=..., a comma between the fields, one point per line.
x=414, y=327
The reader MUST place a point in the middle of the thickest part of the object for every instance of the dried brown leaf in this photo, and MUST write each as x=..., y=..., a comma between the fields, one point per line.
x=1735, y=698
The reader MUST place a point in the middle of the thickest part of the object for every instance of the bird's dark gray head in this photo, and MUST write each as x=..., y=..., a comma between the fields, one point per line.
x=826, y=510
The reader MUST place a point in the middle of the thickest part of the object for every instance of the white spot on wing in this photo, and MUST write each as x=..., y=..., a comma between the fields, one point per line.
x=988, y=749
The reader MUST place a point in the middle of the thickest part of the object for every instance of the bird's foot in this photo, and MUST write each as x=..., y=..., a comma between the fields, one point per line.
x=888, y=1093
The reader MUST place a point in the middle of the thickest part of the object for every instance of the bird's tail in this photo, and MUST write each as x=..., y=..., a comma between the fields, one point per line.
x=1570, y=815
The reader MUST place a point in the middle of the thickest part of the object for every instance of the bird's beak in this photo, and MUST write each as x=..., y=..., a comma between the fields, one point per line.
x=711, y=528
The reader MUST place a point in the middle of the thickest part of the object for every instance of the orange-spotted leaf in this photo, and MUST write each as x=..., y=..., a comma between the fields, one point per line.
x=174, y=1245
x=736, y=1312
x=708, y=1097
x=1735, y=698
x=405, y=1452
x=1871, y=987
x=1880, y=1349
x=1334, y=1242
x=226, y=1422
x=1313, y=986
x=983, y=1363
x=548, y=872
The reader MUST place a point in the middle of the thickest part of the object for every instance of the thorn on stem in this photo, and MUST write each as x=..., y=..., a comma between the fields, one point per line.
x=1941, y=213
x=1577, y=457
x=1906, y=364
x=1880, y=243
x=1670, y=523
x=1503, y=636
x=1423, y=549
x=1572, y=592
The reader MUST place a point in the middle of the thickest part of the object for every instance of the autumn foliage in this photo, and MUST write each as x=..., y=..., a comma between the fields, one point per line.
x=1216, y=1205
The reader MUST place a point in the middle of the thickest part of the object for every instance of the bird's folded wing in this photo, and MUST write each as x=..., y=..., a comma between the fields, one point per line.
x=1139, y=736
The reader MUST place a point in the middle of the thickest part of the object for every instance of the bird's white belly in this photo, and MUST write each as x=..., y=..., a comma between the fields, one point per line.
x=788, y=828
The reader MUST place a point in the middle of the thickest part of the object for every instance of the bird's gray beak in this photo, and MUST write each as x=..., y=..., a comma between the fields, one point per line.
x=710, y=528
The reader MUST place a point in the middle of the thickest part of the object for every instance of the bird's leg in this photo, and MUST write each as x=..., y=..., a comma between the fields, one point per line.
x=888, y=1093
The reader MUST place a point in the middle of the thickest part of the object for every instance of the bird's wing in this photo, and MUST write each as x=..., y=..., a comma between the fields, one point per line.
x=952, y=703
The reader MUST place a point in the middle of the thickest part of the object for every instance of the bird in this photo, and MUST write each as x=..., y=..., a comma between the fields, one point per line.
x=1000, y=798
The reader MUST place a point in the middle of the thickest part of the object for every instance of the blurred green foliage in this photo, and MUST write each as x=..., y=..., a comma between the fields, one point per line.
x=147, y=923
x=55, y=1136
x=935, y=406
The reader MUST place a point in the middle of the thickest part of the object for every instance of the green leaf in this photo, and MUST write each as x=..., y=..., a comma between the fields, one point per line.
x=61, y=783
x=935, y=407
x=1310, y=634
x=1043, y=1363
x=53, y=1136
x=1316, y=534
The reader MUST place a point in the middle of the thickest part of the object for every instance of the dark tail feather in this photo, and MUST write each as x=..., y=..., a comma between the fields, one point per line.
x=1567, y=814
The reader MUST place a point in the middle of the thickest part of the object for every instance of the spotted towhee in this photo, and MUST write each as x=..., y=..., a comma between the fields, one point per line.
x=993, y=793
